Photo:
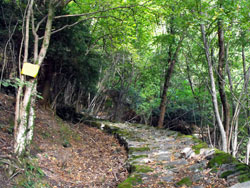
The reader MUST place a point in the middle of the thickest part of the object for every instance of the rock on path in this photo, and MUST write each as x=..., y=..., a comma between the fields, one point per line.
x=155, y=158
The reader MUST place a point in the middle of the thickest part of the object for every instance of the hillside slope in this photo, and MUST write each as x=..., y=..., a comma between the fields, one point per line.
x=61, y=155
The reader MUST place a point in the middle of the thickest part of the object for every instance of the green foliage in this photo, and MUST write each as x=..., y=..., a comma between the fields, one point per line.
x=18, y=83
x=75, y=41
x=7, y=83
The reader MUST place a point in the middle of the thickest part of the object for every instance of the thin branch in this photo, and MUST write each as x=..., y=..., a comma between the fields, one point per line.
x=82, y=20
x=34, y=31
x=26, y=41
x=39, y=23
x=91, y=13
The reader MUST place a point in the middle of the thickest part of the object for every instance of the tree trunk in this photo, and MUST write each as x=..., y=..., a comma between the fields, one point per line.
x=25, y=112
x=23, y=131
x=165, y=89
x=172, y=58
x=46, y=84
x=237, y=113
x=248, y=152
x=221, y=79
x=213, y=90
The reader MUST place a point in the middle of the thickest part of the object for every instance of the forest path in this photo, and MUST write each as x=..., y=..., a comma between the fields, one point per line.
x=157, y=159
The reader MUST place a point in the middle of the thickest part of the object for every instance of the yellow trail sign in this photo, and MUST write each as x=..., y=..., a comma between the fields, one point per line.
x=30, y=69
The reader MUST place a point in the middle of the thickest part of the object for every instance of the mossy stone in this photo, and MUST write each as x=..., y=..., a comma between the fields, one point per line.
x=221, y=158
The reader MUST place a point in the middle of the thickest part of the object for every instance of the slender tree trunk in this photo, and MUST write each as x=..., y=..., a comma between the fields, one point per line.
x=248, y=152
x=221, y=79
x=46, y=85
x=237, y=113
x=25, y=112
x=165, y=89
x=213, y=90
x=22, y=111
x=172, y=58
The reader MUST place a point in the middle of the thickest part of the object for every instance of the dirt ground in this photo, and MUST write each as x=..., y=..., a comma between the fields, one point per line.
x=69, y=155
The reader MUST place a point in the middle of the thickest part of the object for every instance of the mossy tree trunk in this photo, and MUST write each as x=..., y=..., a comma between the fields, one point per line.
x=26, y=96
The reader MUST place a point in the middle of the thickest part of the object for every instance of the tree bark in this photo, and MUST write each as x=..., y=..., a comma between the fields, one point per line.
x=165, y=89
x=172, y=58
x=213, y=89
x=248, y=152
x=221, y=79
x=25, y=112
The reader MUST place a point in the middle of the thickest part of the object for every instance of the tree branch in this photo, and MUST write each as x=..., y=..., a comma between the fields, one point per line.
x=91, y=13
x=41, y=21
x=77, y=22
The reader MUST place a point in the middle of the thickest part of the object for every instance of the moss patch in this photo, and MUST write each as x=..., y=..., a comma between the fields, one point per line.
x=245, y=172
x=196, y=140
x=128, y=134
x=244, y=178
x=130, y=182
x=132, y=149
x=198, y=147
x=225, y=158
x=221, y=158
x=134, y=157
x=227, y=173
x=141, y=169
x=185, y=181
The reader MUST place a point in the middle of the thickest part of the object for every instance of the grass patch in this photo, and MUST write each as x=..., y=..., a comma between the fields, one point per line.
x=185, y=181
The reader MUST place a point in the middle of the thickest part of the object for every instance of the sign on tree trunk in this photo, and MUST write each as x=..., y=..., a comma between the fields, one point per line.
x=30, y=69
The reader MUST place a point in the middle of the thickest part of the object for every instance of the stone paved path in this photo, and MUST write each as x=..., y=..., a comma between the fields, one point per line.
x=156, y=161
